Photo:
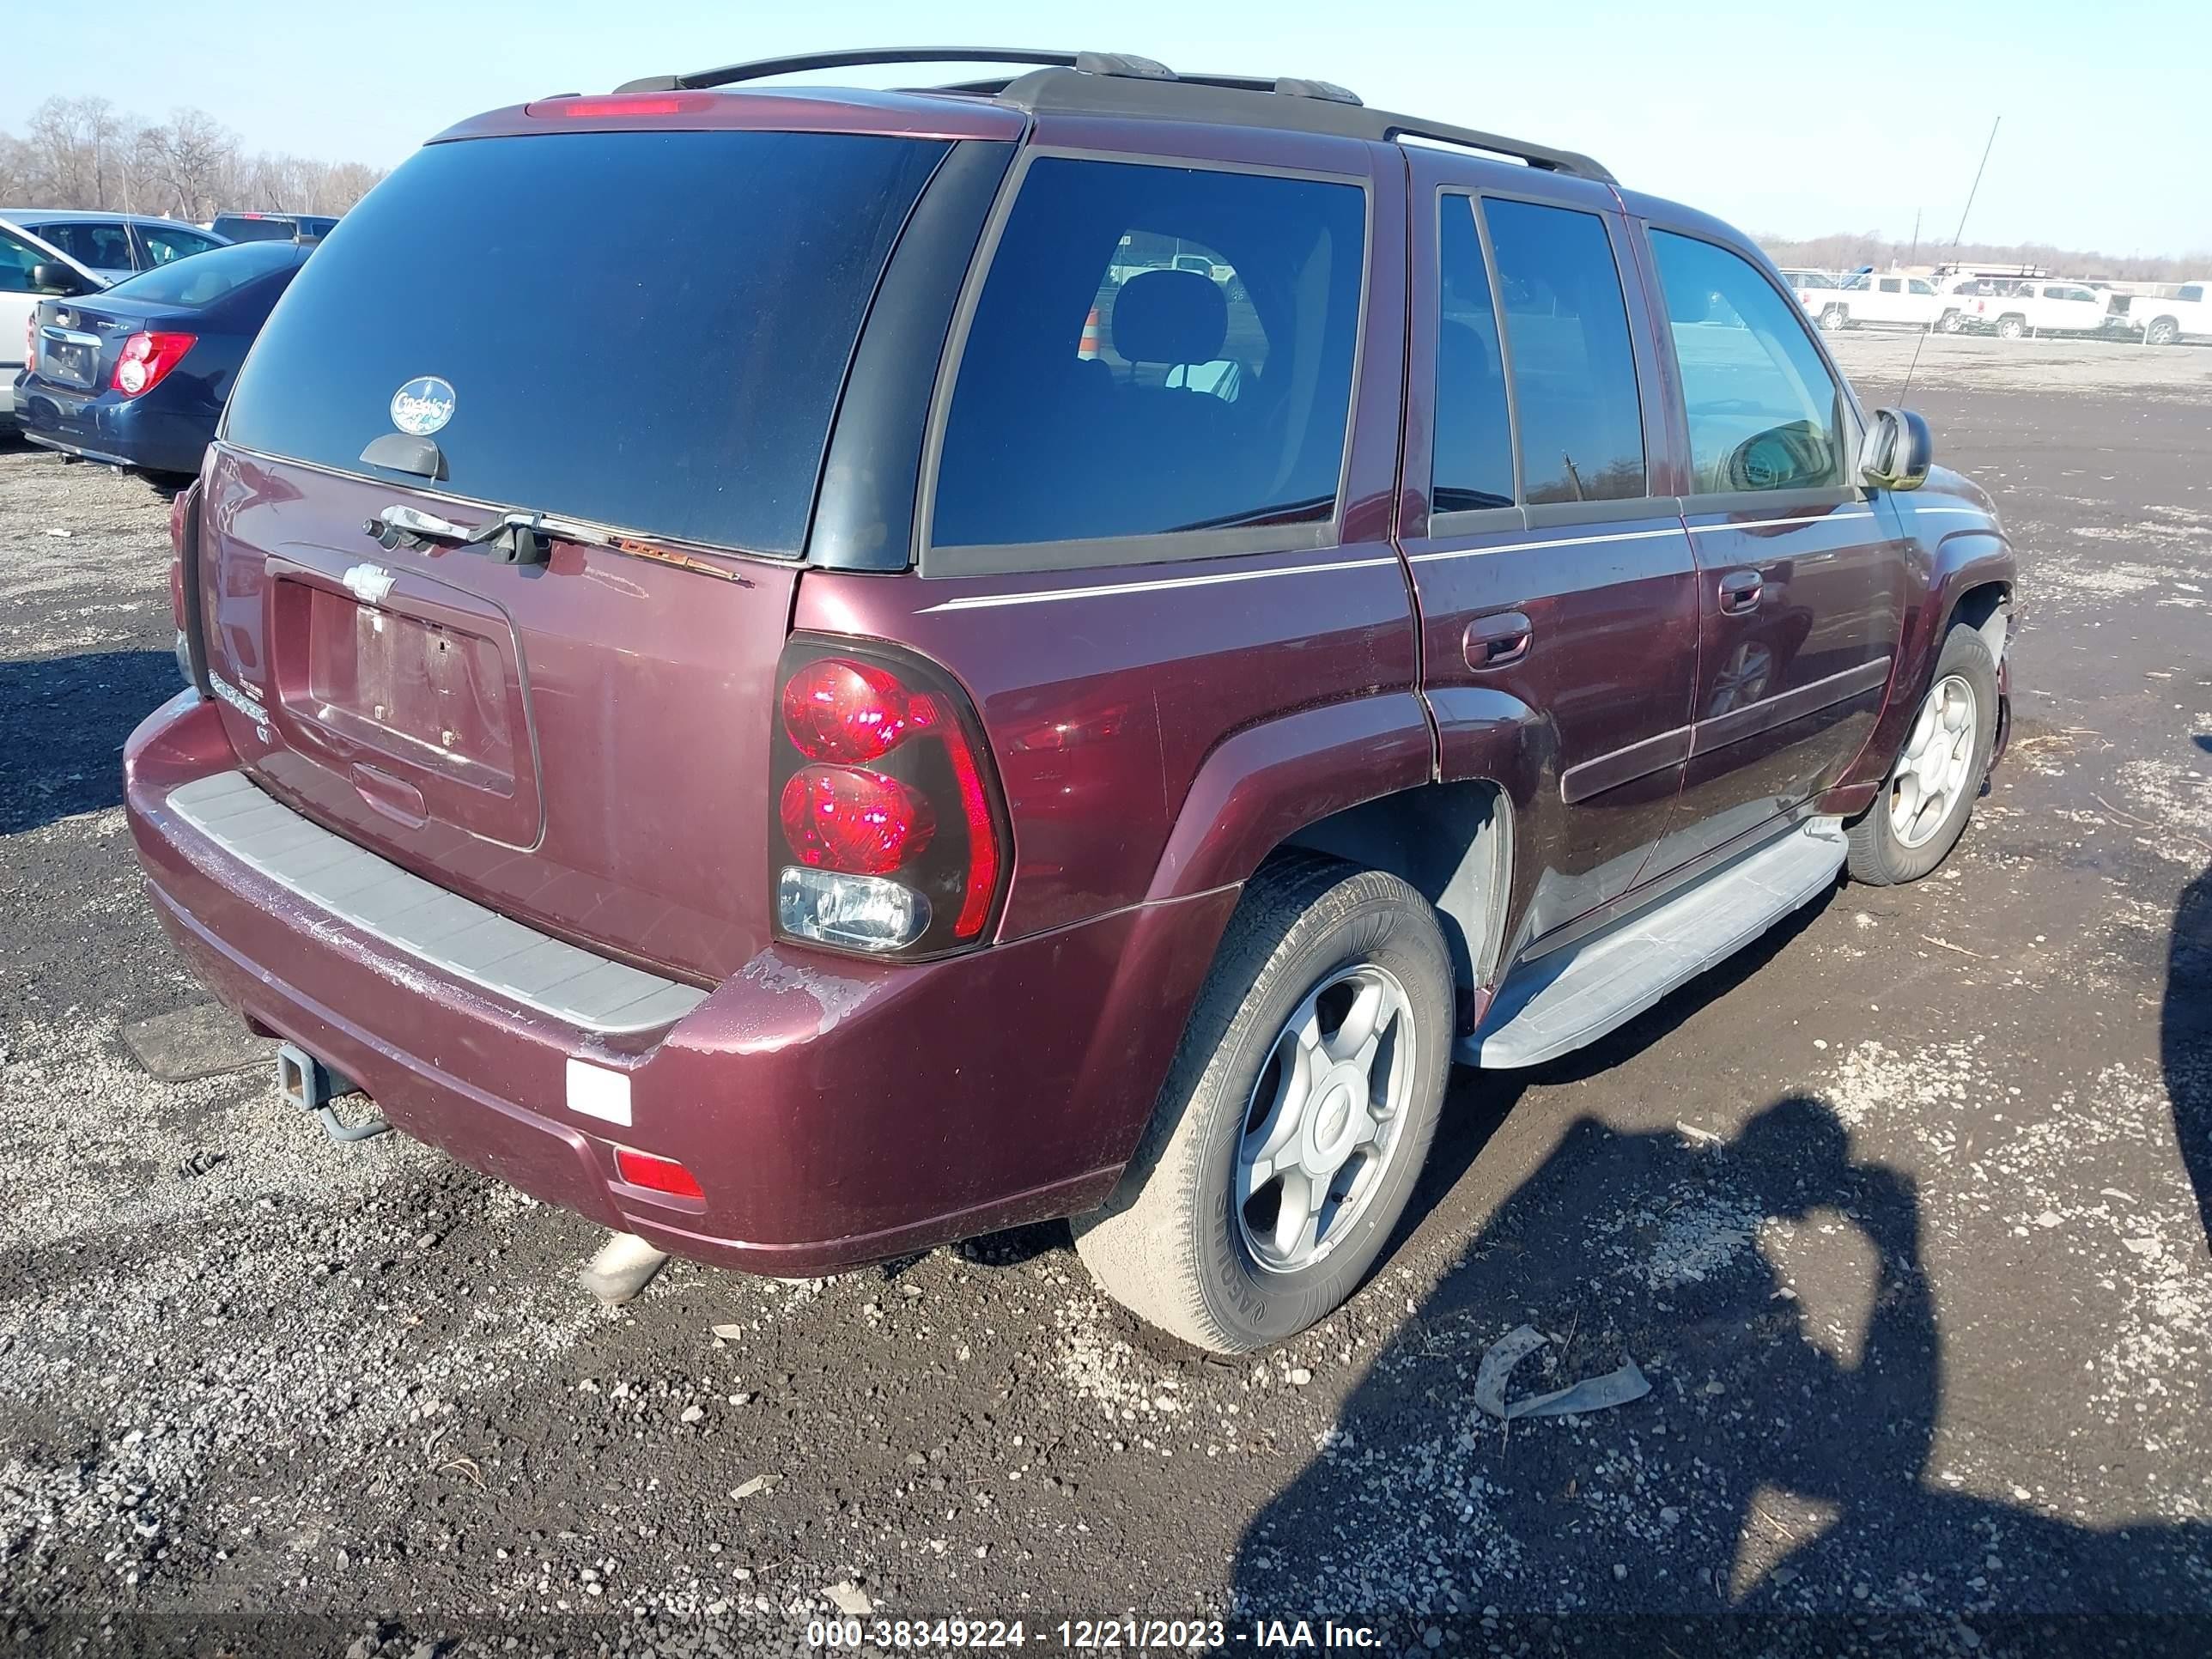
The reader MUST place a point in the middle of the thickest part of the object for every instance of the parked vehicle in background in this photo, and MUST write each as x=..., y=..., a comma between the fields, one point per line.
x=1811, y=287
x=114, y=245
x=137, y=375
x=2186, y=316
x=2011, y=310
x=273, y=226
x=1886, y=299
x=1048, y=786
x=30, y=268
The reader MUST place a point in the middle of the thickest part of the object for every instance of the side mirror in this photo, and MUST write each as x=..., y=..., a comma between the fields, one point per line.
x=1897, y=451
x=56, y=279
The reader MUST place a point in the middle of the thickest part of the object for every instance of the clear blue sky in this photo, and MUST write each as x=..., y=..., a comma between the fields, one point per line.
x=1792, y=116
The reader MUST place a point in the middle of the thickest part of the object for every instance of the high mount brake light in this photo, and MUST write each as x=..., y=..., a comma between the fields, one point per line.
x=887, y=807
x=146, y=360
x=589, y=109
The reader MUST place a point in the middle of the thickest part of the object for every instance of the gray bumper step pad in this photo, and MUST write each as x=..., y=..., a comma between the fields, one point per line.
x=448, y=933
x=1561, y=1002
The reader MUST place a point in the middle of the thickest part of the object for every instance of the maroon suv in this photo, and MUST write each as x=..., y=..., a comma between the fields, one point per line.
x=807, y=674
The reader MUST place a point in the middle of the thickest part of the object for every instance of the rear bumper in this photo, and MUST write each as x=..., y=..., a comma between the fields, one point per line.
x=123, y=432
x=834, y=1112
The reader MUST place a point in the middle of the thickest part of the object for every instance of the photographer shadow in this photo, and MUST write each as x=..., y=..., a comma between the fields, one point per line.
x=1781, y=1468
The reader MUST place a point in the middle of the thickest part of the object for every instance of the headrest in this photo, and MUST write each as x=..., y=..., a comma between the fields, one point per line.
x=1171, y=317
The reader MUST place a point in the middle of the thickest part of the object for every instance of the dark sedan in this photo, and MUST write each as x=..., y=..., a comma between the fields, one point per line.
x=136, y=374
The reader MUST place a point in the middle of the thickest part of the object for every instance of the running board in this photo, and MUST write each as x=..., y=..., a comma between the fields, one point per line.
x=1576, y=995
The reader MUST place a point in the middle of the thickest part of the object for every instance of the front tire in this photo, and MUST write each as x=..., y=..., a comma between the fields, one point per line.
x=2011, y=328
x=1835, y=319
x=1296, y=1118
x=2162, y=332
x=1929, y=795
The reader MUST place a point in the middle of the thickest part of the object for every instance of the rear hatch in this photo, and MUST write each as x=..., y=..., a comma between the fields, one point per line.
x=642, y=334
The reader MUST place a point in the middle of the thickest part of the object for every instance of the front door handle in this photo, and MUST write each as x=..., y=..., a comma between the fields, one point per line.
x=1740, y=592
x=1496, y=640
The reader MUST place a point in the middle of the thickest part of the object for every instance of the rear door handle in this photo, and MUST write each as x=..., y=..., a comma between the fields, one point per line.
x=1740, y=592
x=1496, y=640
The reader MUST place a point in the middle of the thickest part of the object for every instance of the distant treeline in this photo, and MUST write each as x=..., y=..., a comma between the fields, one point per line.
x=85, y=152
x=1844, y=251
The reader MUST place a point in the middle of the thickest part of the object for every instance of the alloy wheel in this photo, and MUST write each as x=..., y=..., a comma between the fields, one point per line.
x=1938, y=757
x=1325, y=1118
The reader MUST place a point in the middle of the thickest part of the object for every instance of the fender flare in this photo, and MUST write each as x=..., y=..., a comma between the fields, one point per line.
x=1264, y=783
x=1963, y=560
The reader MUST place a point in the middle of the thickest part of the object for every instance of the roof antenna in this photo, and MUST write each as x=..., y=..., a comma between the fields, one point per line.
x=1906, y=392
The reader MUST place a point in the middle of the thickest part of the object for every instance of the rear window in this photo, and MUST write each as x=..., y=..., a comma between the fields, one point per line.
x=1157, y=349
x=204, y=278
x=647, y=331
x=239, y=228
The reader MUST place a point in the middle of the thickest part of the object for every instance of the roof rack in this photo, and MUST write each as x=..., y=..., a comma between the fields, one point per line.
x=1121, y=83
x=761, y=68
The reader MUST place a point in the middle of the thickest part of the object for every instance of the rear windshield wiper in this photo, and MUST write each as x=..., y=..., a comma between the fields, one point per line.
x=525, y=538
x=514, y=538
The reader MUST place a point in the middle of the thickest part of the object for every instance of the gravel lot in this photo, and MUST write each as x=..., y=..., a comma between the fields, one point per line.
x=1904, y=1215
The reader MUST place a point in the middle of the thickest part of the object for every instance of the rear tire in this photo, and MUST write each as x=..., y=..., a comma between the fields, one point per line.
x=1930, y=794
x=1950, y=323
x=1186, y=1240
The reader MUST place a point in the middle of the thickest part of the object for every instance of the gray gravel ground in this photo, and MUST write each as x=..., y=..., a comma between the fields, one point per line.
x=1896, y=1213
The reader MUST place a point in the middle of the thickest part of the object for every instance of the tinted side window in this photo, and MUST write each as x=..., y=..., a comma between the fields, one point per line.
x=104, y=247
x=1473, y=462
x=16, y=259
x=1763, y=412
x=1107, y=391
x=1574, y=370
x=166, y=244
x=2193, y=292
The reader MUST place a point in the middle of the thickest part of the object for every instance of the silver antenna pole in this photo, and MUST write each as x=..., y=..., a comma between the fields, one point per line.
x=1973, y=191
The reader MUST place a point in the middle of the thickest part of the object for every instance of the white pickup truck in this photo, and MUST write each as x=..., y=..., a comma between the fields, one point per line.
x=2013, y=309
x=2186, y=316
x=1889, y=300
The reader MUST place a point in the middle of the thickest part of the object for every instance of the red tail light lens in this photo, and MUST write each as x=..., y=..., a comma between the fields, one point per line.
x=848, y=818
x=147, y=360
x=31, y=339
x=656, y=1173
x=836, y=709
x=886, y=803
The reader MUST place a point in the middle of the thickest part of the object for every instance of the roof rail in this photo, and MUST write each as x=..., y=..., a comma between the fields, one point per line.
x=1121, y=83
x=1262, y=103
x=1091, y=63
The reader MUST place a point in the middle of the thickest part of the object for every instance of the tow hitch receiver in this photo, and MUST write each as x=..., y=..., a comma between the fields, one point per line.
x=311, y=1085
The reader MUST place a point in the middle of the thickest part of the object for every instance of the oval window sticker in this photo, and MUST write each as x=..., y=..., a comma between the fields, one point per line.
x=423, y=405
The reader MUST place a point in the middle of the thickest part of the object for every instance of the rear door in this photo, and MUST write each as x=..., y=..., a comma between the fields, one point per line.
x=1800, y=572
x=1555, y=582
x=580, y=743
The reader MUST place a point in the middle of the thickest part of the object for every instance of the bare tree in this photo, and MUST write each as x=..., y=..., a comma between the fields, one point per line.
x=76, y=150
x=190, y=156
x=1844, y=251
x=82, y=153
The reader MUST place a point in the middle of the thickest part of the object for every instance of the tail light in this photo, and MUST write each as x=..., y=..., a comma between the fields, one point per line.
x=147, y=360
x=31, y=340
x=888, y=835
